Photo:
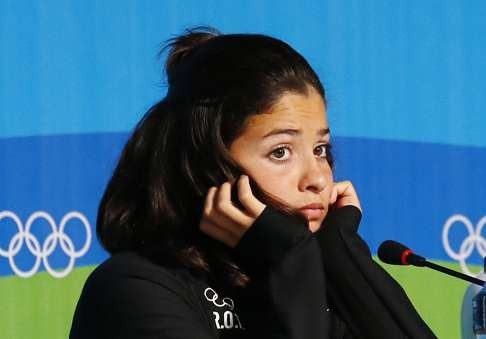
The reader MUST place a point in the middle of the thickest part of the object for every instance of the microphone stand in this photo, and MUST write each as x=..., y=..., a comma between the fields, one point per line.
x=420, y=261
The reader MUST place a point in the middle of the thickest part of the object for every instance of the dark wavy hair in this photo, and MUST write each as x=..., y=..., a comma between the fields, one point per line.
x=180, y=148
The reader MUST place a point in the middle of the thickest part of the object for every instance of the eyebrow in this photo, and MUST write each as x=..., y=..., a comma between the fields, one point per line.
x=292, y=131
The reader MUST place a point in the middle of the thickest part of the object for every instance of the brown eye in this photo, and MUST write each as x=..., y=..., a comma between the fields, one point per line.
x=321, y=151
x=281, y=153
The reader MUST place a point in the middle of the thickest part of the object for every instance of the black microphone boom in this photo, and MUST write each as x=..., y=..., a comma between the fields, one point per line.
x=395, y=253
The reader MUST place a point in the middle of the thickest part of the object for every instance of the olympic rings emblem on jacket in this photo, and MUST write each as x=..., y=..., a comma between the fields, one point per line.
x=212, y=296
x=42, y=252
x=472, y=241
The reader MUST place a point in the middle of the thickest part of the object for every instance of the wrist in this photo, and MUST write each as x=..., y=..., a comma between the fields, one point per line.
x=267, y=241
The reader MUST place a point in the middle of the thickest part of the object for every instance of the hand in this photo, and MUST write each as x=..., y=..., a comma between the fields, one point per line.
x=222, y=219
x=343, y=194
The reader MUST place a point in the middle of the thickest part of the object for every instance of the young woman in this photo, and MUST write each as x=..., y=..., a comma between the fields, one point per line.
x=222, y=217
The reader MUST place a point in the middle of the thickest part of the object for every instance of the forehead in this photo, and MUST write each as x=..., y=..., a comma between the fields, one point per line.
x=305, y=112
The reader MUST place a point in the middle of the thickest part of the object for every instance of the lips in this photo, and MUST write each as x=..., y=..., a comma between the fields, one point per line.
x=312, y=211
x=315, y=205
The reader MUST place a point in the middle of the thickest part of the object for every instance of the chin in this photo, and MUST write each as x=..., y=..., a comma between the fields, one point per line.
x=314, y=225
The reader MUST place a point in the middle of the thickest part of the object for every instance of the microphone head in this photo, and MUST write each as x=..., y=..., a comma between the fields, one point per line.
x=392, y=252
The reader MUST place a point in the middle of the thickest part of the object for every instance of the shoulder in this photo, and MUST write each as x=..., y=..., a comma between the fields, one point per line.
x=132, y=265
x=128, y=274
x=128, y=292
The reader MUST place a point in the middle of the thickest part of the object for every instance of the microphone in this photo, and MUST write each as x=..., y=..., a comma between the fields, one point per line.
x=395, y=253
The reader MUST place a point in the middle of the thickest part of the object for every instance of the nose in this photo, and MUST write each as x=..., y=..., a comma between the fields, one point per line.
x=315, y=175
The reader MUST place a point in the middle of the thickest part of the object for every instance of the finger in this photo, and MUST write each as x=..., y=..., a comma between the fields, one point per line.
x=345, y=188
x=221, y=203
x=211, y=213
x=333, y=196
x=208, y=201
x=346, y=194
x=240, y=220
x=253, y=206
x=212, y=222
x=223, y=196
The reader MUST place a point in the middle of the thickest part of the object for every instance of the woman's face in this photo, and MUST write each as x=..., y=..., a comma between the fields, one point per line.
x=284, y=151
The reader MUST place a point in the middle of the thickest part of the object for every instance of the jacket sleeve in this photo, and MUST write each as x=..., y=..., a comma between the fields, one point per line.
x=367, y=298
x=287, y=296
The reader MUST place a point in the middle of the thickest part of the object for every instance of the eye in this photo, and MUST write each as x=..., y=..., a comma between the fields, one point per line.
x=280, y=153
x=321, y=151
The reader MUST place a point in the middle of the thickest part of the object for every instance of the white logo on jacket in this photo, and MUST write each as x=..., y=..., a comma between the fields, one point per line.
x=229, y=319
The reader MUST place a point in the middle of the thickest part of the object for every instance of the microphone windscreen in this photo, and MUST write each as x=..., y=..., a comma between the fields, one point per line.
x=391, y=251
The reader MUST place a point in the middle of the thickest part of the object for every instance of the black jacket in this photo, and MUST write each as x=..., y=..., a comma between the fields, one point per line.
x=303, y=285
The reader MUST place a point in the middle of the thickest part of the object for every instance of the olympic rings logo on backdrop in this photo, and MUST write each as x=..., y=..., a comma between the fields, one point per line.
x=474, y=240
x=41, y=252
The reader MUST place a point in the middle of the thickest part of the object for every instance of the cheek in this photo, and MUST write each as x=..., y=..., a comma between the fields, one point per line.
x=277, y=184
x=283, y=182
